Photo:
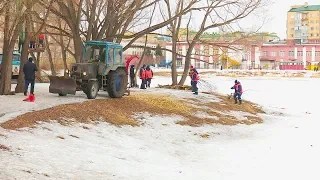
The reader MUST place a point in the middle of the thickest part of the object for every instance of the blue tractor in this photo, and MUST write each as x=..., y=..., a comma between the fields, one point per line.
x=102, y=68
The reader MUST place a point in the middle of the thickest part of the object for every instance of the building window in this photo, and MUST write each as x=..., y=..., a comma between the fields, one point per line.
x=308, y=53
x=311, y=35
x=273, y=53
x=206, y=65
x=179, y=62
x=311, y=22
x=291, y=35
x=312, y=28
x=292, y=29
x=310, y=15
x=281, y=53
x=317, y=34
x=318, y=53
x=265, y=53
x=299, y=53
x=291, y=53
x=317, y=21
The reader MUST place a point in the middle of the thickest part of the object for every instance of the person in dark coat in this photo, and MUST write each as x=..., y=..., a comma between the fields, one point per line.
x=149, y=75
x=237, y=92
x=132, y=76
x=143, y=77
x=29, y=70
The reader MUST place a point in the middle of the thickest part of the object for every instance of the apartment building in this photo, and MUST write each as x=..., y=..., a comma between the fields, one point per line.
x=303, y=23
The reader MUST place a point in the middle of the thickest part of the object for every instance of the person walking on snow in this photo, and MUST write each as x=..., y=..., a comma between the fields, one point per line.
x=237, y=92
x=132, y=81
x=192, y=69
x=149, y=75
x=29, y=70
x=194, y=81
x=143, y=77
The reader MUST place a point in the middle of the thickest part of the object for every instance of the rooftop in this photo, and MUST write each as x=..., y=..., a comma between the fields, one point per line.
x=305, y=8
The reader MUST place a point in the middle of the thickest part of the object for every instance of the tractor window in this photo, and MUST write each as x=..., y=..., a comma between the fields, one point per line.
x=110, y=56
x=118, y=56
x=94, y=53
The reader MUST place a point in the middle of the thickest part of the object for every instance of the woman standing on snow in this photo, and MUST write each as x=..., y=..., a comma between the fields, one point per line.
x=149, y=75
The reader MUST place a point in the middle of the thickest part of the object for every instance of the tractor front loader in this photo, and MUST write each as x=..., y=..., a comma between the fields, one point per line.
x=102, y=68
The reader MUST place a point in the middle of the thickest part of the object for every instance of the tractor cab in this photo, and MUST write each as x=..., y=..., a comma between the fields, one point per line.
x=103, y=52
x=102, y=67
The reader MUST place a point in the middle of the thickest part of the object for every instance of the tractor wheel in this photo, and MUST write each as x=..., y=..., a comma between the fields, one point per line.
x=92, y=89
x=61, y=94
x=117, y=83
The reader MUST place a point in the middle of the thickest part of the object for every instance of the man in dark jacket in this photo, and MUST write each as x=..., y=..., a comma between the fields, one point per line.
x=29, y=70
x=237, y=92
x=132, y=81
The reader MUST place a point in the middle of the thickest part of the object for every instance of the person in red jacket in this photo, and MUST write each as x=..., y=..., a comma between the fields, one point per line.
x=143, y=77
x=41, y=40
x=32, y=44
x=194, y=81
x=149, y=75
x=237, y=92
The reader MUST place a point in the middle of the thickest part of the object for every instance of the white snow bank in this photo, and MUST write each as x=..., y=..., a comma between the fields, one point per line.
x=285, y=146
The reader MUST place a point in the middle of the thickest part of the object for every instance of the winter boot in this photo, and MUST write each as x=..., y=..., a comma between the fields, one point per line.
x=240, y=101
x=235, y=100
x=195, y=93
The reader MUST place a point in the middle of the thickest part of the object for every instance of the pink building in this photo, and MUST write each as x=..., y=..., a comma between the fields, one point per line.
x=284, y=56
x=204, y=56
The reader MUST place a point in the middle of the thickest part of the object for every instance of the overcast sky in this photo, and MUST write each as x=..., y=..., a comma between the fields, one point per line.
x=278, y=11
x=275, y=15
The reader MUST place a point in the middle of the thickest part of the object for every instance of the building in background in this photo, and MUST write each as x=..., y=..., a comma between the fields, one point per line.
x=285, y=56
x=303, y=23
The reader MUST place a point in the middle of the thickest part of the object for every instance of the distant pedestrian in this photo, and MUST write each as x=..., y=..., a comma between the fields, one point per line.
x=29, y=70
x=32, y=44
x=143, y=77
x=132, y=76
x=149, y=75
x=237, y=92
x=194, y=81
x=41, y=40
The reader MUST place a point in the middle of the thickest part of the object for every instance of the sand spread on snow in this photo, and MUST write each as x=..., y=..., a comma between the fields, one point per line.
x=121, y=111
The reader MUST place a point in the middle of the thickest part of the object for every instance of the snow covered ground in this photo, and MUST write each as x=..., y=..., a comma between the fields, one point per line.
x=285, y=146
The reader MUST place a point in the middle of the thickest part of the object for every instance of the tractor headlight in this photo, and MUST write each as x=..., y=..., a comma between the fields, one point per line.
x=84, y=73
x=67, y=71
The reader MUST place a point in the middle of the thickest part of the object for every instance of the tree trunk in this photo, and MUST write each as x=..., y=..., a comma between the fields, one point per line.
x=64, y=55
x=53, y=71
x=64, y=58
x=37, y=62
x=23, y=60
x=78, y=46
x=6, y=65
x=174, y=75
x=6, y=69
x=187, y=64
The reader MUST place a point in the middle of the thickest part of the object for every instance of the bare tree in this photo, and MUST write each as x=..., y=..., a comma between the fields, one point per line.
x=106, y=20
x=219, y=13
x=13, y=19
x=175, y=29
